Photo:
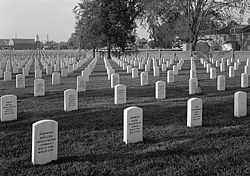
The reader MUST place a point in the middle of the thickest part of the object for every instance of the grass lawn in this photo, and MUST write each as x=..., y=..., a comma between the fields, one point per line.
x=90, y=139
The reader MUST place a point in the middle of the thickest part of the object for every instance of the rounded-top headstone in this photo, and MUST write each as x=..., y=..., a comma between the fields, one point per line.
x=132, y=125
x=8, y=108
x=194, y=112
x=44, y=141
x=240, y=104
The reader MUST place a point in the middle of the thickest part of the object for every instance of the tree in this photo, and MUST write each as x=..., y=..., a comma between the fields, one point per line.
x=195, y=15
x=109, y=23
x=88, y=25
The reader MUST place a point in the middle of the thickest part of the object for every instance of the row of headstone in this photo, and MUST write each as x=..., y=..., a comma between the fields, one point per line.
x=194, y=109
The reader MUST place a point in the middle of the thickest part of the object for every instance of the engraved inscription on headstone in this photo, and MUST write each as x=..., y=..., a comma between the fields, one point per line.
x=44, y=141
x=8, y=108
x=194, y=112
x=133, y=125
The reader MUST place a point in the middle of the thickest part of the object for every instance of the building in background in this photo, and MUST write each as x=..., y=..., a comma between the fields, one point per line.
x=22, y=44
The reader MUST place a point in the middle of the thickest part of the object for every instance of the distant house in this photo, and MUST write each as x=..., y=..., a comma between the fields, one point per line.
x=22, y=44
x=4, y=43
x=237, y=35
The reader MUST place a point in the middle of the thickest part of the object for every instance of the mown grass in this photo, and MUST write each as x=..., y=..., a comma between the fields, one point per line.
x=90, y=139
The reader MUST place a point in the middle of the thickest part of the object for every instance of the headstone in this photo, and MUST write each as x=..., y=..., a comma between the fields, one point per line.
x=134, y=73
x=144, y=78
x=132, y=125
x=20, y=81
x=194, y=112
x=231, y=72
x=124, y=66
x=115, y=79
x=244, y=80
x=81, y=84
x=140, y=65
x=44, y=141
x=8, y=108
x=85, y=74
x=170, y=76
x=212, y=73
x=247, y=69
x=110, y=71
x=228, y=62
x=217, y=63
x=160, y=90
x=156, y=71
x=147, y=68
x=240, y=104
x=70, y=100
x=129, y=69
x=222, y=67
x=120, y=94
x=163, y=67
x=7, y=76
x=39, y=87
x=221, y=83
x=56, y=78
x=208, y=67
x=193, y=85
x=175, y=70
x=236, y=66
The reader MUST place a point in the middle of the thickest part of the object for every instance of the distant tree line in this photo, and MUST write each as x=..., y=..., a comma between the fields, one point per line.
x=111, y=23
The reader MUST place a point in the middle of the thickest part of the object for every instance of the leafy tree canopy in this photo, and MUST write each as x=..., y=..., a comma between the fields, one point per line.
x=187, y=18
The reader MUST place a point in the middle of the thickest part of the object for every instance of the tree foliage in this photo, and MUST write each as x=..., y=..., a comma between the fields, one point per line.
x=190, y=17
x=108, y=23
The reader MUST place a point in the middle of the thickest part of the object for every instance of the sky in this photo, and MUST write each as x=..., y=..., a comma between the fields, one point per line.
x=26, y=18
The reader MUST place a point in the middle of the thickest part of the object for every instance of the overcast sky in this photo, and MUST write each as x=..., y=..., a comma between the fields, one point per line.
x=26, y=18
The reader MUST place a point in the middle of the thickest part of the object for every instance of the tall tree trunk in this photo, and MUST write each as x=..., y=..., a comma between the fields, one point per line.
x=194, y=41
x=109, y=49
x=93, y=52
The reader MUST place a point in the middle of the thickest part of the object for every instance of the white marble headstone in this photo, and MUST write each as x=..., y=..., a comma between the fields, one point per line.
x=160, y=90
x=39, y=87
x=115, y=79
x=134, y=73
x=56, y=78
x=81, y=84
x=70, y=100
x=212, y=73
x=194, y=112
x=156, y=71
x=8, y=108
x=7, y=76
x=193, y=85
x=132, y=125
x=240, y=104
x=120, y=94
x=244, y=80
x=44, y=141
x=221, y=83
x=20, y=81
x=144, y=78
x=170, y=76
